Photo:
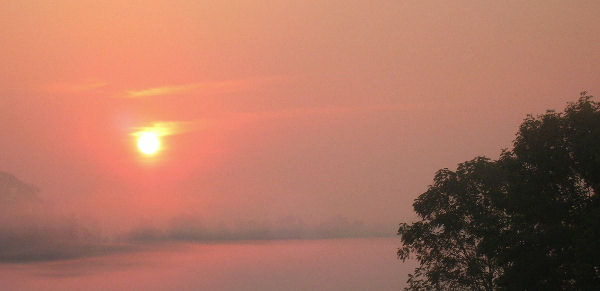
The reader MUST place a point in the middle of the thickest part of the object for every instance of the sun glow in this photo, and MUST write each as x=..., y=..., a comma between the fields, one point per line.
x=148, y=142
x=149, y=137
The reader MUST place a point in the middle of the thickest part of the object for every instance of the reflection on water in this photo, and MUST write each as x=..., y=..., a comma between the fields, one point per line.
x=333, y=264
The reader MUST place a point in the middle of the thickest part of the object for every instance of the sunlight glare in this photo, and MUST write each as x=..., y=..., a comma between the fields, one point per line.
x=148, y=143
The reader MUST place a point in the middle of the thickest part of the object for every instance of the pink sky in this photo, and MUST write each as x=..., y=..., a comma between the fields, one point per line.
x=286, y=115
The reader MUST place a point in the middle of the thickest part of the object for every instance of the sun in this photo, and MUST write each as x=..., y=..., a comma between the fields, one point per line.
x=148, y=142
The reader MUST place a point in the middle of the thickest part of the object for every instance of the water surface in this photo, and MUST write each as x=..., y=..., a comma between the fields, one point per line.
x=332, y=264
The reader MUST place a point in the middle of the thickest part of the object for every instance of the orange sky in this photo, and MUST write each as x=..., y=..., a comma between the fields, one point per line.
x=303, y=112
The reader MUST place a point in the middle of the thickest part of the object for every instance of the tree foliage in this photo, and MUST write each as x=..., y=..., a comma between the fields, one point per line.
x=529, y=220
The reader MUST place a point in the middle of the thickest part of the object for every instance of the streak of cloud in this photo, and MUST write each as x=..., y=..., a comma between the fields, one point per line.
x=204, y=88
x=234, y=119
x=74, y=87
x=166, y=128
x=240, y=118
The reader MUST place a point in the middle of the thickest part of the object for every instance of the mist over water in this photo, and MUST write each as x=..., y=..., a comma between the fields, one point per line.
x=35, y=229
x=49, y=247
x=332, y=264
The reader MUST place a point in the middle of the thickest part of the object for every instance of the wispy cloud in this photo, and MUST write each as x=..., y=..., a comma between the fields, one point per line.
x=74, y=87
x=164, y=90
x=166, y=128
x=208, y=88
x=235, y=119
x=312, y=111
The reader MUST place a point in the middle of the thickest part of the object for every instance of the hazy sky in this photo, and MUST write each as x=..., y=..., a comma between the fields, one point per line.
x=313, y=117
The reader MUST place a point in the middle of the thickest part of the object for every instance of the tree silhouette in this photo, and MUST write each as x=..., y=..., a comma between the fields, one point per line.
x=529, y=220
